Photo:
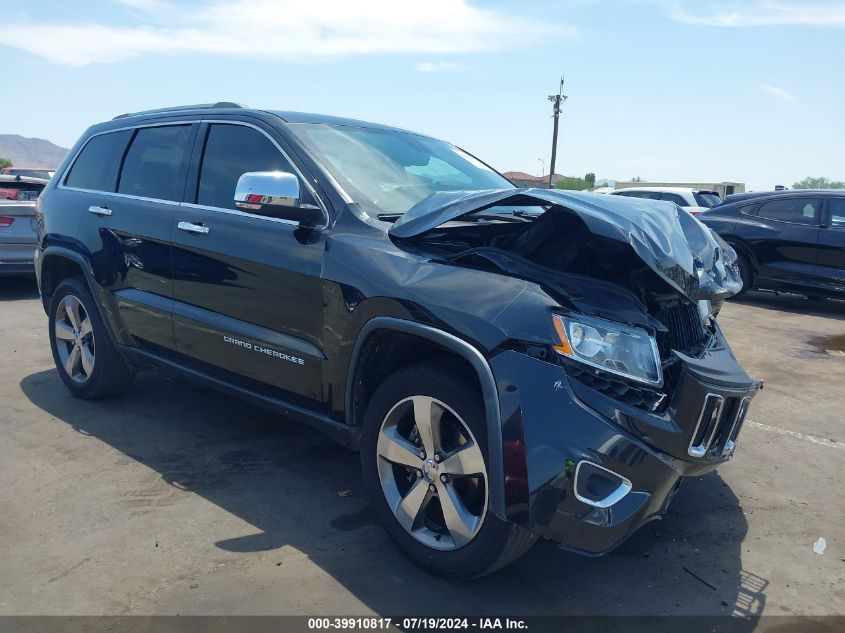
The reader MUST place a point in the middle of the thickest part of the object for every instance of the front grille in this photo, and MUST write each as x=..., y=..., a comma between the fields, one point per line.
x=718, y=425
x=686, y=331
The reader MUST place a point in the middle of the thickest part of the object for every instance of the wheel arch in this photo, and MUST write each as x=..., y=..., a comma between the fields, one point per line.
x=744, y=250
x=56, y=264
x=450, y=345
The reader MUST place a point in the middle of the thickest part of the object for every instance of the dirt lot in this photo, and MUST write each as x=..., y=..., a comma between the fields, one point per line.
x=175, y=499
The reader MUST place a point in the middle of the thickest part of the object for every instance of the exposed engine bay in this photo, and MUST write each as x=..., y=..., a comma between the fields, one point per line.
x=637, y=263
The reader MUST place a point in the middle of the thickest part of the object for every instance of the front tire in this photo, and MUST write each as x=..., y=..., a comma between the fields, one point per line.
x=424, y=458
x=86, y=359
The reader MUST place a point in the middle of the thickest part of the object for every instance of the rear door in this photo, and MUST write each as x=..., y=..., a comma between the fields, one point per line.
x=785, y=240
x=831, y=258
x=126, y=224
x=247, y=289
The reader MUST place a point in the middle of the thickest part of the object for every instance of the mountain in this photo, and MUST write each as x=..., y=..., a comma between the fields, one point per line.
x=31, y=152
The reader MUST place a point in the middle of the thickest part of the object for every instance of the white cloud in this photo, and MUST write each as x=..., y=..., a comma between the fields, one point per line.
x=436, y=67
x=287, y=29
x=146, y=5
x=779, y=92
x=760, y=13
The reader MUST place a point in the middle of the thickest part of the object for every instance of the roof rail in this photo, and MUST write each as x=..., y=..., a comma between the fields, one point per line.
x=197, y=106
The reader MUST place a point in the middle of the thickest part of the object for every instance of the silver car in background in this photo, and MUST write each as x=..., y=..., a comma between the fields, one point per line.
x=18, y=195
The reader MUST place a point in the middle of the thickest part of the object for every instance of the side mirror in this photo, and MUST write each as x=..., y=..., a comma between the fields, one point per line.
x=275, y=194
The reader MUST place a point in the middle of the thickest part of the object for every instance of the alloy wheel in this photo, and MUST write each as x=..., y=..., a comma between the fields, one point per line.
x=432, y=473
x=75, y=339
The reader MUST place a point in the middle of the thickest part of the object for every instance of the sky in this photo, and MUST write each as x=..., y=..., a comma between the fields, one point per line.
x=668, y=90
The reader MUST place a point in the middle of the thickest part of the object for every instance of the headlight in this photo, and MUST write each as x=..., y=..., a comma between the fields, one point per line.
x=619, y=349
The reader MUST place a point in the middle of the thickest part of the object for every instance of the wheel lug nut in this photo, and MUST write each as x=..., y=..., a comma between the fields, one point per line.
x=419, y=473
x=444, y=478
x=422, y=454
x=432, y=488
x=438, y=457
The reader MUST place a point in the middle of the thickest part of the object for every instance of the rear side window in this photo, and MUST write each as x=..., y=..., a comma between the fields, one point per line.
x=96, y=166
x=674, y=197
x=795, y=210
x=707, y=199
x=648, y=195
x=157, y=162
x=230, y=152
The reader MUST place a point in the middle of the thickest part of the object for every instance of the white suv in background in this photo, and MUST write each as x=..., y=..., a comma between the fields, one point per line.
x=693, y=200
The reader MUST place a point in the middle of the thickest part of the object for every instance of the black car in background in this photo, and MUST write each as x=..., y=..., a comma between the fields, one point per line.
x=791, y=241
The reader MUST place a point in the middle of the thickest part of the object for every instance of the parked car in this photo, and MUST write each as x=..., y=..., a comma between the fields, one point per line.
x=18, y=237
x=693, y=200
x=510, y=363
x=791, y=241
x=29, y=172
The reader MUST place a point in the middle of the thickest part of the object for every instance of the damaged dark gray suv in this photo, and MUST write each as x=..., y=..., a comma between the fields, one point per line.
x=510, y=363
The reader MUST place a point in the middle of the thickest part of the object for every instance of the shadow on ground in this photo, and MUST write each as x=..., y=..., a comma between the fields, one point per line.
x=17, y=288
x=285, y=479
x=796, y=304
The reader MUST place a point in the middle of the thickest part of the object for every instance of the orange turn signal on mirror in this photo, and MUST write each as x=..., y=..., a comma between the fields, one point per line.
x=564, y=347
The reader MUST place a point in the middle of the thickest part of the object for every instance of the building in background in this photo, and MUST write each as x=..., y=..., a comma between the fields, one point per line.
x=722, y=188
x=522, y=179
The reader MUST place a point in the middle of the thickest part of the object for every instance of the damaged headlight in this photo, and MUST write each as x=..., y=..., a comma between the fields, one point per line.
x=626, y=351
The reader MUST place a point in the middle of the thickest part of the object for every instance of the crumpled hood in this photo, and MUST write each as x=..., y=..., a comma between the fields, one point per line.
x=681, y=250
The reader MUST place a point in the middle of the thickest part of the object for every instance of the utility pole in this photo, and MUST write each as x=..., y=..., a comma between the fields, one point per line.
x=557, y=100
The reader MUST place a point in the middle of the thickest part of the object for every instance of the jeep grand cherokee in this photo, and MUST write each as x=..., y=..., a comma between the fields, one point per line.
x=510, y=363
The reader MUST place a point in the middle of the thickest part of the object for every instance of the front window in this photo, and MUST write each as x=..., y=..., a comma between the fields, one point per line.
x=707, y=199
x=387, y=171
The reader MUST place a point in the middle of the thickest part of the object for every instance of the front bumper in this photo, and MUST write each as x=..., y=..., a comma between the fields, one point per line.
x=551, y=423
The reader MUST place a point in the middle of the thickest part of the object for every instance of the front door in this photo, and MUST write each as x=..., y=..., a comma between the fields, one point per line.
x=786, y=240
x=247, y=290
x=831, y=261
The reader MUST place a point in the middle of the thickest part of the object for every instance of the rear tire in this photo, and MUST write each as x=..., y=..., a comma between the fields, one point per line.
x=408, y=491
x=86, y=359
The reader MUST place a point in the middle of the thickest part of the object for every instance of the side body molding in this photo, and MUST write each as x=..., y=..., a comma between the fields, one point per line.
x=490, y=394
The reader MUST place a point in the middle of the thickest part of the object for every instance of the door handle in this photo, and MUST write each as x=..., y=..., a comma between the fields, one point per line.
x=190, y=227
x=101, y=211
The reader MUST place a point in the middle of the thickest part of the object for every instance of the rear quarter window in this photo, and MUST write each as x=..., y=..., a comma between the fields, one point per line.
x=96, y=166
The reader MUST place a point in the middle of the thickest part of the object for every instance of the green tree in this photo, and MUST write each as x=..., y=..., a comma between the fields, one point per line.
x=818, y=183
x=572, y=183
x=5, y=162
x=591, y=178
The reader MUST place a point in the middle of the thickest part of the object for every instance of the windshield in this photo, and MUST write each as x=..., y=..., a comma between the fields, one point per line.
x=388, y=172
x=707, y=199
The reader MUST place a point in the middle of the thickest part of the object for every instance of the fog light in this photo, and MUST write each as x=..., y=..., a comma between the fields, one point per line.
x=599, y=487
